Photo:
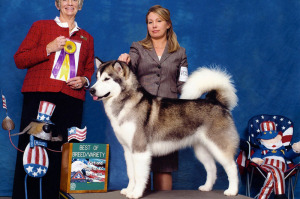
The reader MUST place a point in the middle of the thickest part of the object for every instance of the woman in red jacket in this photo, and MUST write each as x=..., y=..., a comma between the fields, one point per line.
x=59, y=58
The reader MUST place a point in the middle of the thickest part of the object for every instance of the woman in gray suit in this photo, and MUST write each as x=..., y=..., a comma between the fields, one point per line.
x=160, y=65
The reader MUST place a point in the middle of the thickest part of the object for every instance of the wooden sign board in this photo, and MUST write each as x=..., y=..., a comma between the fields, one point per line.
x=84, y=168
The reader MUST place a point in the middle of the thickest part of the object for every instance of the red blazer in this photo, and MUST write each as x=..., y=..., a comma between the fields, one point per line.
x=32, y=55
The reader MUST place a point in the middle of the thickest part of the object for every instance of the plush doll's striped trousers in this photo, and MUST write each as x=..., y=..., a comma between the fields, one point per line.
x=275, y=178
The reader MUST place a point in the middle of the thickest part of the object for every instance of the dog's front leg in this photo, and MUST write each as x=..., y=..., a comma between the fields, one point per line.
x=130, y=172
x=141, y=163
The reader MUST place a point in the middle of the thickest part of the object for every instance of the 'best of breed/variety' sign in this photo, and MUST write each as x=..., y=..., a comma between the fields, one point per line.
x=84, y=168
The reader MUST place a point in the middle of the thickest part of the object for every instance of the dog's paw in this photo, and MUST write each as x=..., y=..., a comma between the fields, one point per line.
x=134, y=195
x=124, y=191
x=205, y=188
x=230, y=192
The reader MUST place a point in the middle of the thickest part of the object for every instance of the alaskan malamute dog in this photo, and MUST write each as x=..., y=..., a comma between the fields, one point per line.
x=148, y=126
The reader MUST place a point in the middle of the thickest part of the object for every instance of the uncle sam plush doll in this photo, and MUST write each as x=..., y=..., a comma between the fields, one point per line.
x=272, y=157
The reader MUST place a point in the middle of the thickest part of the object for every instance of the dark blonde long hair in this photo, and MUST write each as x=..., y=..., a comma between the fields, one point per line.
x=164, y=13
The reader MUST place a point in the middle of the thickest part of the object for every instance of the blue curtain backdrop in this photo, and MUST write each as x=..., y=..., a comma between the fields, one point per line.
x=257, y=41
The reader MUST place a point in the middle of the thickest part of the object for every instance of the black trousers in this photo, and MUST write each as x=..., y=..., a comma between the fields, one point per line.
x=67, y=113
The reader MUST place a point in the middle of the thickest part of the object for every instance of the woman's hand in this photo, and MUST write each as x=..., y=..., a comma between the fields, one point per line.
x=76, y=82
x=124, y=57
x=56, y=45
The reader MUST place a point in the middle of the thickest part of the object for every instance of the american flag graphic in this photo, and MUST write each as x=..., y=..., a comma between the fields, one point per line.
x=35, y=161
x=283, y=125
x=76, y=133
x=4, y=102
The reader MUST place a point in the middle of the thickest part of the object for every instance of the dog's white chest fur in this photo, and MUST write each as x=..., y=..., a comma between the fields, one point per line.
x=124, y=130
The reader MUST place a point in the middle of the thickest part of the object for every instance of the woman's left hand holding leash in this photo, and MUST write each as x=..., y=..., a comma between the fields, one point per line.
x=76, y=82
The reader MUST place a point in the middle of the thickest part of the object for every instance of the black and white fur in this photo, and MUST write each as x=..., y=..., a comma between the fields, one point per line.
x=148, y=126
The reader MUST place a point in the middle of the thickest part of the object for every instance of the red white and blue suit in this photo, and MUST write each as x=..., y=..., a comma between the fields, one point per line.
x=275, y=165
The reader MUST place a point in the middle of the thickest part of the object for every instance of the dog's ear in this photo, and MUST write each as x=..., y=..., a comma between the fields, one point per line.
x=118, y=68
x=98, y=62
x=126, y=70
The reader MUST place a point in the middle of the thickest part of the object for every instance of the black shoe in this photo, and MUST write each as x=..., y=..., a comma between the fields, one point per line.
x=280, y=196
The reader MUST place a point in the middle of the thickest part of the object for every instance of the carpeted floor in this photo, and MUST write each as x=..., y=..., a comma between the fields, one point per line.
x=175, y=194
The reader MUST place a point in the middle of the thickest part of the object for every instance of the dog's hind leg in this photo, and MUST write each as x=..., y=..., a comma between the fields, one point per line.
x=226, y=159
x=130, y=172
x=230, y=168
x=141, y=161
x=208, y=161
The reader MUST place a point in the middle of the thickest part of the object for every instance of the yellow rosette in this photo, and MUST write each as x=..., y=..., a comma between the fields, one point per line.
x=70, y=47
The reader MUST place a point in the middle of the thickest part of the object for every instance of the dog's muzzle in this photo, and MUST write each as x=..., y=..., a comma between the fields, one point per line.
x=93, y=92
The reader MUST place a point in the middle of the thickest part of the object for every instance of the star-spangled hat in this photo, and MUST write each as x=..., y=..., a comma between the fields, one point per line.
x=45, y=112
x=267, y=130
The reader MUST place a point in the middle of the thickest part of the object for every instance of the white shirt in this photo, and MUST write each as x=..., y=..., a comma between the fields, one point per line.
x=65, y=25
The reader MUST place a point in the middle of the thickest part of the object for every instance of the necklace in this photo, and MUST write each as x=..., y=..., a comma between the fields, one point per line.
x=71, y=27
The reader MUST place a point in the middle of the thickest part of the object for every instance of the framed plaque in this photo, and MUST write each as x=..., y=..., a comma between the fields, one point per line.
x=84, y=168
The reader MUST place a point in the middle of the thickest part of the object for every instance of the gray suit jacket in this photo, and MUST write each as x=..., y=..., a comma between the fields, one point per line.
x=158, y=77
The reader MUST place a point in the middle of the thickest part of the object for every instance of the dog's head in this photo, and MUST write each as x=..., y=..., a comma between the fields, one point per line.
x=111, y=79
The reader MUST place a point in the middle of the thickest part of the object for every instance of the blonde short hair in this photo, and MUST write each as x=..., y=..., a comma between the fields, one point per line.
x=80, y=3
x=164, y=13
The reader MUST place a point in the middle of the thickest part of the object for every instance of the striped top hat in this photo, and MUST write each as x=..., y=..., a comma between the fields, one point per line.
x=267, y=130
x=45, y=112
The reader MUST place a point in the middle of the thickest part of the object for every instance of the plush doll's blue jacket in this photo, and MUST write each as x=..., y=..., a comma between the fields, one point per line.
x=264, y=152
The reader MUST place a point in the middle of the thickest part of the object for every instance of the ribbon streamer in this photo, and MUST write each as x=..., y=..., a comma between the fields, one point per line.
x=66, y=62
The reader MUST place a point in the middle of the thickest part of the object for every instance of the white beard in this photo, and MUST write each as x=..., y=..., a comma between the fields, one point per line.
x=273, y=145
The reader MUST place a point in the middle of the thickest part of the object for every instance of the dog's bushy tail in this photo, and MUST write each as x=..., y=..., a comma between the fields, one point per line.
x=211, y=80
